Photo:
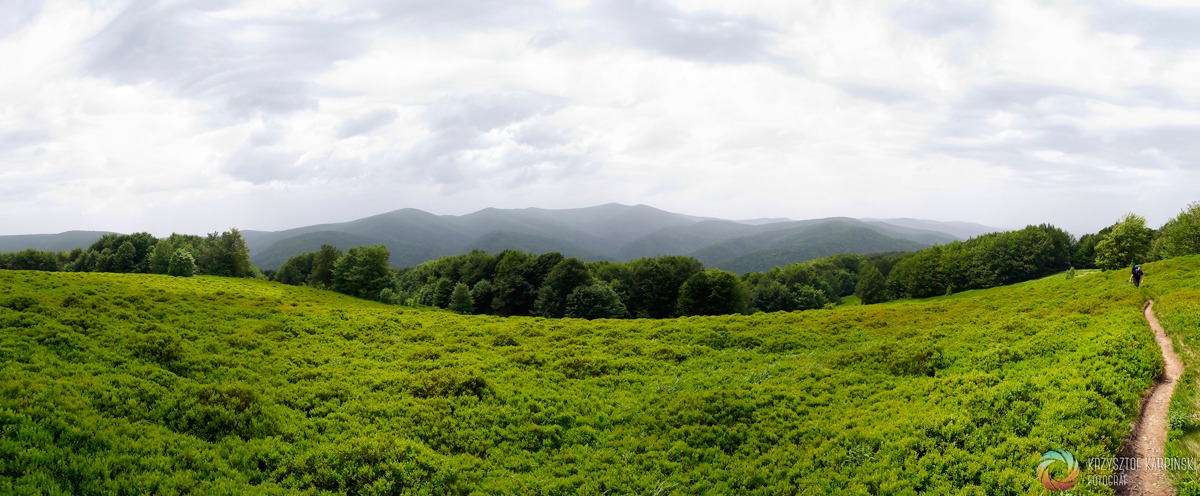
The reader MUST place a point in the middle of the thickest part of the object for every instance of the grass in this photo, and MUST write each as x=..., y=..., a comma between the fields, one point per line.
x=137, y=384
x=1176, y=292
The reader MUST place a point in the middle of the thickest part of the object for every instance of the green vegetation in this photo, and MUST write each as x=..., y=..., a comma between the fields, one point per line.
x=145, y=384
x=1177, y=305
x=218, y=254
x=1127, y=244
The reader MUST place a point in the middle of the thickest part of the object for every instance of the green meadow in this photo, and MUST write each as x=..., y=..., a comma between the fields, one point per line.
x=148, y=384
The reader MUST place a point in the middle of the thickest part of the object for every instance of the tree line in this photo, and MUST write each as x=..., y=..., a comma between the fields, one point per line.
x=513, y=282
x=551, y=285
x=218, y=254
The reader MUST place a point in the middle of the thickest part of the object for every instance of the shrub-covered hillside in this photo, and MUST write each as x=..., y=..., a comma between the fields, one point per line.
x=145, y=384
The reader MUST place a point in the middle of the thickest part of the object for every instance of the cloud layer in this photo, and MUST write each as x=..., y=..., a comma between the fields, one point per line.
x=195, y=116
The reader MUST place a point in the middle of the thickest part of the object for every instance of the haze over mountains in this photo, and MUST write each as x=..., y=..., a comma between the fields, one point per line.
x=608, y=232
x=605, y=232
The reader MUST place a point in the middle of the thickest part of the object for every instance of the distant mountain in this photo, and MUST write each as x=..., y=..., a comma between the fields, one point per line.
x=66, y=241
x=794, y=241
x=605, y=232
x=962, y=230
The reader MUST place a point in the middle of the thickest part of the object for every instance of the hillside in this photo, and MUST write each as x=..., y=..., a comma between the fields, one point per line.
x=143, y=384
x=606, y=232
x=66, y=241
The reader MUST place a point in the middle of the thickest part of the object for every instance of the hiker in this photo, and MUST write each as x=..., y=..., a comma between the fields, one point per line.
x=1136, y=276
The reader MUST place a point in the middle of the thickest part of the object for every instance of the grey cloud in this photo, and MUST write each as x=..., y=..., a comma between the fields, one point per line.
x=485, y=112
x=185, y=48
x=485, y=135
x=440, y=16
x=936, y=18
x=1158, y=27
x=548, y=38
x=366, y=123
x=658, y=27
x=15, y=140
x=1039, y=120
x=879, y=93
x=261, y=166
x=17, y=14
x=266, y=67
x=1022, y=101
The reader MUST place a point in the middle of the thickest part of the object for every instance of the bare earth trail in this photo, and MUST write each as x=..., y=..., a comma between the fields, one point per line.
x=1148, y=439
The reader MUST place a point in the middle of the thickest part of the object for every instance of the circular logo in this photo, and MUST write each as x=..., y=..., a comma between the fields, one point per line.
x=1049, y=460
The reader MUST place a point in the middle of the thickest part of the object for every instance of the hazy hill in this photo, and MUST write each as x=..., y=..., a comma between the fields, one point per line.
x=66, y=241
x=962, y=230
x=604, y=232
x=806, y=240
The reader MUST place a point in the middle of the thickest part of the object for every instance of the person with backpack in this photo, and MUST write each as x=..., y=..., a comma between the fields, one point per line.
x=1136, y=276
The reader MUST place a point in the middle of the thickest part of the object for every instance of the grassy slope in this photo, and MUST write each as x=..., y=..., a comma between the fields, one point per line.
x=146, y=384
x=1176, y=291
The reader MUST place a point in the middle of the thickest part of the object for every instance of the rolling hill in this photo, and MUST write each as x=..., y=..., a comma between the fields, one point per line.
x=605, y=232
x=146, y=384
x=65, y=241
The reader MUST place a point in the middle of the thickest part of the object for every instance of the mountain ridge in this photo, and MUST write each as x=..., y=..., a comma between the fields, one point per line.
x=611, y=231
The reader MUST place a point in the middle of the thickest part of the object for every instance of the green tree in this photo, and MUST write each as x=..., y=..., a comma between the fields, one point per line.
x=225, y=254
x=182, y=264
x=87, y=262
x=31, y=259
x=321, y=274
x=461, y=301
x=809, y=298
x=713, y=292
x=562, y=280
x=124, y=258
x=595, y=301
x=772, y=296
x=1127, y=244
x=1181, y=235
x=159, y=258
x=363, y=272
x=1084, y=254
x=296, y=270
x=657, y=282
x=871, y=286
x=443, y=289
x=514, y=294
x=482, y=293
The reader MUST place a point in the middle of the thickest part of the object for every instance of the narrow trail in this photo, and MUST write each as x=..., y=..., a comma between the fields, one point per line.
x=1149, y=437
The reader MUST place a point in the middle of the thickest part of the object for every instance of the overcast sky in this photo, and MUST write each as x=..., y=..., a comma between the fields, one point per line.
x=196, y=116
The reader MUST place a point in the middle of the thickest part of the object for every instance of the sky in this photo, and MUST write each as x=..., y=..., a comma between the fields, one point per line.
x=198, y=116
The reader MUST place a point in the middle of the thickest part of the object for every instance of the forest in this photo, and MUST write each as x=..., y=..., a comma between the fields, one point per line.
x=517, y=283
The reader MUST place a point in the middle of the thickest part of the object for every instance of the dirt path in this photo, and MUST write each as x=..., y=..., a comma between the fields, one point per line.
x=1149, y=437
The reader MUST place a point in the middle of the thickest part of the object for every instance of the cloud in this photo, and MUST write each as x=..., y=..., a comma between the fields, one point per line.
x=367, y=122
x=549, y=37
x=658, y=27
x=1168, y=27
x=16, y=140
x=880, y=93
x=936, y=18
x=18, y=14
x=250, y=66
x=260, y=166
x=489, y=134
x=1064, y=135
